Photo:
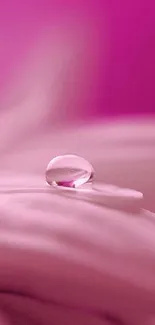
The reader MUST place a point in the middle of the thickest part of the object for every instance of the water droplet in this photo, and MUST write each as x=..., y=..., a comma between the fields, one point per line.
x=69, y=171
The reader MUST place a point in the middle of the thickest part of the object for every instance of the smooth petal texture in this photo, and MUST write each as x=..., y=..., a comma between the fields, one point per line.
x=66, y=260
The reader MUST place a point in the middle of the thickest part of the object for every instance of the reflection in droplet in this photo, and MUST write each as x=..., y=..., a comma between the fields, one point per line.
x=69, y=171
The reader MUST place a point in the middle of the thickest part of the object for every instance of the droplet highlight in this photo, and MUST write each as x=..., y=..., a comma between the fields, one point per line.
x=69, y=171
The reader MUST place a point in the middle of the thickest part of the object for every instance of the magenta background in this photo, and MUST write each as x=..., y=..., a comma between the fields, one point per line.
x=118, y=67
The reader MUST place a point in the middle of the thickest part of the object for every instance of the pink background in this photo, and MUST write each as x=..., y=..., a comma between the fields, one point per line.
x=104, y=54
x=62, y=61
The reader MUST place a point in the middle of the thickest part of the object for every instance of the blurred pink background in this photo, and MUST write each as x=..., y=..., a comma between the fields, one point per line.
x=65, y=61
x=103, y=61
